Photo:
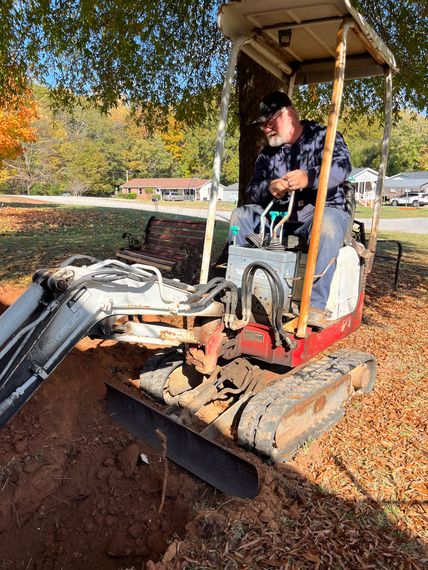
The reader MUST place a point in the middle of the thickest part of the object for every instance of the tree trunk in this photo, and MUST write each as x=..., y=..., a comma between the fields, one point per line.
x=254, y=83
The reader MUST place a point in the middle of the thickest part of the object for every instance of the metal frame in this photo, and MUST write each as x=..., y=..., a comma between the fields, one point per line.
x=330, y=137
x=218, y=157
x=380, y=55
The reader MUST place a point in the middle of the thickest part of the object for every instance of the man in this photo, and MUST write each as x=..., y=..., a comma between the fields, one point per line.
x=291, y=162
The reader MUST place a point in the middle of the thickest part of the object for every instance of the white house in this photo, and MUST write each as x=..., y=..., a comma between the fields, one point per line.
x=231, y=193
x=203, y=193
x=404, y=182
x=364, y=181
x=190, y=188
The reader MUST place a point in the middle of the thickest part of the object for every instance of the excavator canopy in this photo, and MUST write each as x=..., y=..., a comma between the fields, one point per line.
x=298, y=38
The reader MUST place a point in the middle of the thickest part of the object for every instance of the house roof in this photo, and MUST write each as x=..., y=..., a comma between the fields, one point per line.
x=416, y=175
x=232, y=187
x=416, y=183
x=356, y=171
x=166, y=183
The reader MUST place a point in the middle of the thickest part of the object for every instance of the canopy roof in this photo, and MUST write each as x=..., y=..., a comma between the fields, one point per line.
x=289, y=37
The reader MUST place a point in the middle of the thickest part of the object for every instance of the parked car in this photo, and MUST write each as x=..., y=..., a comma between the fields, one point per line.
x=414, y=199
x=173, y=195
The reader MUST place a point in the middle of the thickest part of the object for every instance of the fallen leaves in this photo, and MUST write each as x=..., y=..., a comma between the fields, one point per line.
x=363, y=503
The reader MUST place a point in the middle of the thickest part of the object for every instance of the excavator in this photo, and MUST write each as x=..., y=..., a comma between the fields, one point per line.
x=244, y=374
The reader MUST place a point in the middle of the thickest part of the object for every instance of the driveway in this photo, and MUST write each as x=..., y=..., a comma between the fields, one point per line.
x=176, y=209
x=405, y=225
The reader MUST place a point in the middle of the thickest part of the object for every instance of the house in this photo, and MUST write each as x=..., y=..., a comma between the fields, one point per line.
x=231, y=193
x=190, y=188
x=364, y=181
x=405, y=182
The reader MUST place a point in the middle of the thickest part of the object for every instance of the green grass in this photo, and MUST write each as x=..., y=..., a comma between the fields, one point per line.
x=389, y=212
x=40, y=236
x=44, y=236
x=417, y=243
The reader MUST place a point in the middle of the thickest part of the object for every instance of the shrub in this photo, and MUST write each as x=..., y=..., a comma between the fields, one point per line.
x=47, y=189
x=130, y=196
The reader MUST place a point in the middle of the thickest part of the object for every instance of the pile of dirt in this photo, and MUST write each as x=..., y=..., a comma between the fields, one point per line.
x=77, y=491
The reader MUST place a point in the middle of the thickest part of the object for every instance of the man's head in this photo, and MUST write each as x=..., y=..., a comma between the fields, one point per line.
x=278, y=119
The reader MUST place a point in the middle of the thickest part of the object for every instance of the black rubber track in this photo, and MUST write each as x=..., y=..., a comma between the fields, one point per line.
x=157, y=371
x=261, y=416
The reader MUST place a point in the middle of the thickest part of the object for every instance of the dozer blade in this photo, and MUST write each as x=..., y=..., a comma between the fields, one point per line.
x=209, y=461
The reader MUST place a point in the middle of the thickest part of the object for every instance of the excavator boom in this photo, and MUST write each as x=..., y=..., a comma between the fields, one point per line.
x=62, y=307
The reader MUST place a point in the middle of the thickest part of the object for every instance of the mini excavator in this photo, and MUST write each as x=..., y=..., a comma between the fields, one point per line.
x=244, y=373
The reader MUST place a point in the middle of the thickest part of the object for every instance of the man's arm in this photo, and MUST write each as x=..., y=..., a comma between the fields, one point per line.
x=262, y=188
x=258, y=189
x=340, y=164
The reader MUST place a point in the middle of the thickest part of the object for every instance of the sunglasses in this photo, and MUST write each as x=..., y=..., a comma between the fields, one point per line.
x=272, y=120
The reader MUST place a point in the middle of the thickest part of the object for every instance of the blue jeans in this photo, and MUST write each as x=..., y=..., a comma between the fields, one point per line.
x=333, y=228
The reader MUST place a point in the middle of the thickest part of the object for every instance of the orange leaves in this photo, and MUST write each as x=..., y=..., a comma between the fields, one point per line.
x=16, y=126
x=173, y=138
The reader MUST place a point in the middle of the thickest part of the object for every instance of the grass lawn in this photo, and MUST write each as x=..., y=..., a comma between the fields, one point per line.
x=34, y=236
x=389, y=212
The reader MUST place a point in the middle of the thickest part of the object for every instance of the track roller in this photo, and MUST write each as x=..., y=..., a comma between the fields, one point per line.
x=154, y=378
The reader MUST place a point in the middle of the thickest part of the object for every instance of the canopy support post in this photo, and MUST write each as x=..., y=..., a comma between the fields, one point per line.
x=333, y=119
x=218, y=157
x=382, y=169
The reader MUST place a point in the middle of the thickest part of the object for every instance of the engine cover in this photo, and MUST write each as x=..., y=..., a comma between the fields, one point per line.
x=284, y=262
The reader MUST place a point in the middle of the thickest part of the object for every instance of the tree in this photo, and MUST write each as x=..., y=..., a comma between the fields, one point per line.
x=140, y=52
x=148, y=155
x=156, y=54
x=409, y=145
x=159, y=56
x=16, y=128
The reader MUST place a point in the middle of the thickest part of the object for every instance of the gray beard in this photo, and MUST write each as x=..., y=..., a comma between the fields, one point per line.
x=275, y=140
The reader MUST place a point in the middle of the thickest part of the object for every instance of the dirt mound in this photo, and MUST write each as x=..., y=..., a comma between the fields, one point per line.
x=74, y=489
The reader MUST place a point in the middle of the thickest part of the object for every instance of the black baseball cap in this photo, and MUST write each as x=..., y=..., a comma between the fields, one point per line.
x=270, y=104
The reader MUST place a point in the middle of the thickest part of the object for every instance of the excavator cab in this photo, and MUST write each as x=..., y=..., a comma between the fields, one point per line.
x=243, y=373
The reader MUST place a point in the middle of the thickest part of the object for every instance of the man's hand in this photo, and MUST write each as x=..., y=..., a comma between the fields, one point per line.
x=292, y=181
x=278, y=188
x=296, y=179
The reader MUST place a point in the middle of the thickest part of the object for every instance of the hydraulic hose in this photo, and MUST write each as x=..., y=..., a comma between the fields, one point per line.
x=204, y=288
x=277, y=292
x=222, y=286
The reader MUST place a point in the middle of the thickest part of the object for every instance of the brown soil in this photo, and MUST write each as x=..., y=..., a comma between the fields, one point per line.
x=74, y=491
x=75, y=494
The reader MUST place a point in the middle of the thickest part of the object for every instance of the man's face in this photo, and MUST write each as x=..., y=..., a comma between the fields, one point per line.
x=282, y=127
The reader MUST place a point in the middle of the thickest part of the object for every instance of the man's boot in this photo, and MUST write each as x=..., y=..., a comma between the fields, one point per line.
x=318, y=318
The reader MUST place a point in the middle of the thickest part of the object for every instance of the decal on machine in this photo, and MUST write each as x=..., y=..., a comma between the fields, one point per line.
x=254, y=336
x=78, y=300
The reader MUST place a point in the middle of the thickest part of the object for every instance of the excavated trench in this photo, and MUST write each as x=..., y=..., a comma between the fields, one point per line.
x=76, y=489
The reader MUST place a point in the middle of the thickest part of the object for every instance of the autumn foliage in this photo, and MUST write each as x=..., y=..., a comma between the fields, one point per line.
x=16, y=126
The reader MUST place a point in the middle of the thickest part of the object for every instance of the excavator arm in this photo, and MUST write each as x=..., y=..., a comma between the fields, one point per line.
x=62, y=307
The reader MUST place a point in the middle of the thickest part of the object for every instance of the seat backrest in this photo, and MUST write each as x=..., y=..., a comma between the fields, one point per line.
x=350, y=205
x=174, y=233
